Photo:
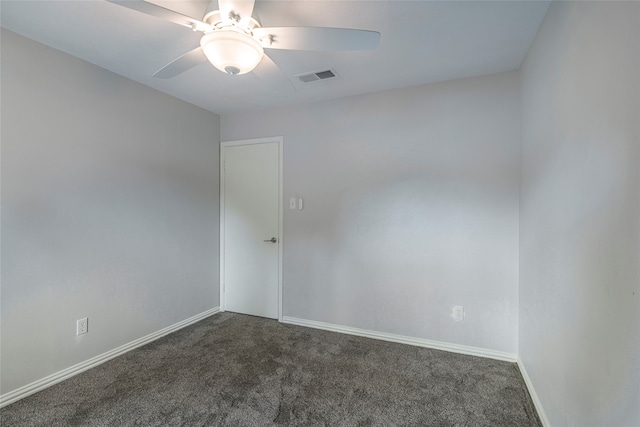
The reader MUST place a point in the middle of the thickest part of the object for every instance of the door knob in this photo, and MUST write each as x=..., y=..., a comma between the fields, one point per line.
x=272, y=240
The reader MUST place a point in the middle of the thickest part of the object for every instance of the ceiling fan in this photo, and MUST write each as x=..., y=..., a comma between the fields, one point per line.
x=234, y=41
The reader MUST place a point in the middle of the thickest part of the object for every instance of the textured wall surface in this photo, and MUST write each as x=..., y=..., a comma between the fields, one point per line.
x=411, y=207
x=580, y=214
x=109, y=210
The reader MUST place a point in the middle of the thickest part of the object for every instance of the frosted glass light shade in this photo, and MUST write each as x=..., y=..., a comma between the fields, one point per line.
x=232, y=52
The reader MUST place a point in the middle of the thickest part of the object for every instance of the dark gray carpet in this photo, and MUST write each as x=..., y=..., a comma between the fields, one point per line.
x=236, y=370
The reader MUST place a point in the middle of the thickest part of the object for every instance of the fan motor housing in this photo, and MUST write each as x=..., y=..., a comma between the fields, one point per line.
x=214, y=18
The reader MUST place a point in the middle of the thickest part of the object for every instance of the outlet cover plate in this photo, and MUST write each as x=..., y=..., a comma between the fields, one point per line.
x=457, y=313
x=82, y=326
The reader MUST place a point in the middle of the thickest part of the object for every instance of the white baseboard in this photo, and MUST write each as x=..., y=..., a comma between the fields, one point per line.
x=52, y=379
x=534, y=396
x=402, y=339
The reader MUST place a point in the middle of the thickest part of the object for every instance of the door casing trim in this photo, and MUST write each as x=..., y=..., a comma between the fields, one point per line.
x=223, y=145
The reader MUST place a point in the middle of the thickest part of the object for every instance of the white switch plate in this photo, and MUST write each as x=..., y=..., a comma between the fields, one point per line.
x=292, y=203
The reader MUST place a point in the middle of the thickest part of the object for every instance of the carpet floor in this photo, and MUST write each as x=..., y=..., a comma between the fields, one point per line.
x=237, y=370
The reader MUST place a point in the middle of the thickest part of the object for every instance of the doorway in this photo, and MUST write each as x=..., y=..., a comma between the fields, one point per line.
x=251, y=227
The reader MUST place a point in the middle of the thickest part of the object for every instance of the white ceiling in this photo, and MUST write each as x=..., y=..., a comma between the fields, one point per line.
x=422, y=42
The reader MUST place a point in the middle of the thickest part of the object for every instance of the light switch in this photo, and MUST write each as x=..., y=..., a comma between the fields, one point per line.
x=292, y=203
x=300, y=204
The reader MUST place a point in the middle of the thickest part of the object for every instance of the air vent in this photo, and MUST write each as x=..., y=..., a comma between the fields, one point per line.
x=318, y=75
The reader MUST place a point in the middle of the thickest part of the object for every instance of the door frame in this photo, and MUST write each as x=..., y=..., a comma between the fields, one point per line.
x=223, y=146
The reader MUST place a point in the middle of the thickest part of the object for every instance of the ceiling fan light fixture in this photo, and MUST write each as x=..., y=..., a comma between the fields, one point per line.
x=232, y=52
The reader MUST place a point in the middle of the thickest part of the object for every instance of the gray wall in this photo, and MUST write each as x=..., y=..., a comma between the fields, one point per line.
x=579, y=332
x=109, y=210
x=411, y=206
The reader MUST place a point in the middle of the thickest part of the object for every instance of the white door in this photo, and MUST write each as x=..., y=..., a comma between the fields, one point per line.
x=251, y=227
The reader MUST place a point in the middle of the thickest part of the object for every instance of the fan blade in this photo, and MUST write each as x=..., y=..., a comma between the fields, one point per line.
x=182, y=64
x=317, y=38
x=241, y=8
x=163, y=13
x=272, y=75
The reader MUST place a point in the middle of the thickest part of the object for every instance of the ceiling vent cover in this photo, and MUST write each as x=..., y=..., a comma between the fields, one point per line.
x=318, y=75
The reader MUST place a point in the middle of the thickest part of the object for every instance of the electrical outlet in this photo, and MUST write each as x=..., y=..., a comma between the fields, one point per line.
x=82, y=326
x=457, y=313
